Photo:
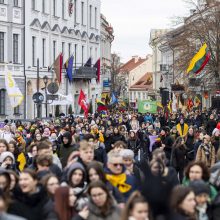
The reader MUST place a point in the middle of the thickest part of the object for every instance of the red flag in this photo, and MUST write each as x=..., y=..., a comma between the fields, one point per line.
x=97, y=66
x=58, y=63
x=82, y=103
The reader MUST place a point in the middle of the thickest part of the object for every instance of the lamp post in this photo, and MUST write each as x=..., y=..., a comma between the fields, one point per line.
x=45, y=79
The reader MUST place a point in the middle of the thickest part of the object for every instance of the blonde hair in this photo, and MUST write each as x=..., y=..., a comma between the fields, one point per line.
x=85, y=145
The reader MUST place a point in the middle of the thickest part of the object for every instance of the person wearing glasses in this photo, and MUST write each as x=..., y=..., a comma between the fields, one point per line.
x=206, y=152
x=101, y=203
x=116, y=174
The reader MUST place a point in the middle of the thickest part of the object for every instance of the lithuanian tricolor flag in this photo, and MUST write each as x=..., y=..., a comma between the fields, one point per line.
x=199, y=61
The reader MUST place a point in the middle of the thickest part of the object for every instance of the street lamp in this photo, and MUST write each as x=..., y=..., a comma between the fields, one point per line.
x=45, y=79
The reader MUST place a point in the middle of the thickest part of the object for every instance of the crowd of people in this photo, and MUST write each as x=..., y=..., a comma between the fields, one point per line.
x=117, y=165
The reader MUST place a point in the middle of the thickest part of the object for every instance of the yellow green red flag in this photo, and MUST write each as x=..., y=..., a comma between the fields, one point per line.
x=200, y=60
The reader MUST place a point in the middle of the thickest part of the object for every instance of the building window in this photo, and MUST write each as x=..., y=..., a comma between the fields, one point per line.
x=75, y=11
x=69, y=49
x=2, y=48
x=16, y=3
x=63, y=48
x=54, y=7
x=82, y=13
x=63, y=9
x=15, y=48
x=2, y=1
x=43, y=6
x=139, y=95
x=2, y=101
x=16, y=110
x=90, y=16
x=82, y=54
x=96, y=53
x=33, y=51
x=134, y=95
x=33, y=5
x=90, y=52
x=75, y=53
x=95, y=17
x=131, y=96
x=54, y=50
x=43, y=51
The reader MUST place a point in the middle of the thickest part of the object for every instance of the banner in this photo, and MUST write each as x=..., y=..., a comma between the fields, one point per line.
x=14, y=93
x=147, y=106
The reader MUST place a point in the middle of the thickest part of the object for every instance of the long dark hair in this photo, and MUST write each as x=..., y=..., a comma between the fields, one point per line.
x=61, y=201
x=109, y=201
x=134, y=199
x=99, y=170
x=178, y=195
x=178, y=143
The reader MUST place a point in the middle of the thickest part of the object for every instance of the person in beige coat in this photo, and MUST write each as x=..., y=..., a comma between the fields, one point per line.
x=206, y=152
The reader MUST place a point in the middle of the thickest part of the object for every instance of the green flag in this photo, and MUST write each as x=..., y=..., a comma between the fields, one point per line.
x=147, y=106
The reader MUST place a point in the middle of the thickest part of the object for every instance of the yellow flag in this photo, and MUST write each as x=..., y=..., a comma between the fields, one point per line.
x=14, y=93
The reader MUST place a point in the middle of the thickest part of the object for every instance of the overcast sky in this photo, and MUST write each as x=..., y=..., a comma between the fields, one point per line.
x=133, y=20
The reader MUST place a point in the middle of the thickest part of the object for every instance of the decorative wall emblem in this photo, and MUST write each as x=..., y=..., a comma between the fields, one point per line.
x=70, y=8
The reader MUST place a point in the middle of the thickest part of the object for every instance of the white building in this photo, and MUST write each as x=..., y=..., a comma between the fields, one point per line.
x=53, y=27
x=11, y=54
x=107, y=38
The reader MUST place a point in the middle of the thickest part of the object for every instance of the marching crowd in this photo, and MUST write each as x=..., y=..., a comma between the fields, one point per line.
x=117, y=165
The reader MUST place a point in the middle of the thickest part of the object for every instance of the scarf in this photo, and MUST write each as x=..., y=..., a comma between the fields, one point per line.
x=207, y=150
x=119, y=181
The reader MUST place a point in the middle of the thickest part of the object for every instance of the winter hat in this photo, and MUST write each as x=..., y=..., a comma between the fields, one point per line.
x=214, y=131
x=6, y=154
x=127, y=153
x=73, y=167
x=199, y=187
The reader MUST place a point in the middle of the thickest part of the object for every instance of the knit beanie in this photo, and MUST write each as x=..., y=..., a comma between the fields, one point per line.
x=199, y=187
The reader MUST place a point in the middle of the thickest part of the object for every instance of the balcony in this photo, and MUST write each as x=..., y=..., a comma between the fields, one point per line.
x=85, y=73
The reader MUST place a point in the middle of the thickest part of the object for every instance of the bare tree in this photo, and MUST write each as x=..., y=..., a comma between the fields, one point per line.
x=203, y=26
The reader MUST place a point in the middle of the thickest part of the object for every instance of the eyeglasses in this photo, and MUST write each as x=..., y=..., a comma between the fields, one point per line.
x=117, y=164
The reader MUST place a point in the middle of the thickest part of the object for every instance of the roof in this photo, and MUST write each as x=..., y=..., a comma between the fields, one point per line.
x=131, y=64
x=144, y=83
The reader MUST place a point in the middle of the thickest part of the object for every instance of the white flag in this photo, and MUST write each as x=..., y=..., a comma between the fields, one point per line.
x=14, y=93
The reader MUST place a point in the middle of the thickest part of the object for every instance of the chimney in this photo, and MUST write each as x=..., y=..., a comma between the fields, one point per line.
x=136, y=58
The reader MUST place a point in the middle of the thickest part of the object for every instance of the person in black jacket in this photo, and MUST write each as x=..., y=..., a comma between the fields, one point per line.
x=133, y=142
x=179, y=157
x=117, y=136
x=30, y=199
x=190, y=141
x=211, y=124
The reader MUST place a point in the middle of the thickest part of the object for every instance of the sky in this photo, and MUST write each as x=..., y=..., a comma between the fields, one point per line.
x=133, y=20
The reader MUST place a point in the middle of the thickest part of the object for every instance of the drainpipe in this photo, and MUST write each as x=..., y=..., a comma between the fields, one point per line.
x=24, y=56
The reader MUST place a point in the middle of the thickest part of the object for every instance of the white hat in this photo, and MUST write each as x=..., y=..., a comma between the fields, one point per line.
x=214, y=131
x=6, y=154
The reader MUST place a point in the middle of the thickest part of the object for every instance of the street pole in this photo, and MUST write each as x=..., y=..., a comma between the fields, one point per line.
x=38, y=85
x=46, y=97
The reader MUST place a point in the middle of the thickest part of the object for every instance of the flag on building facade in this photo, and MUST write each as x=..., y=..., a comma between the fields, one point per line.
x=82, y=103
x=89, y=62
x=14, y=93
x=58, y=63
x=200, y=60
x=114, y=100
x=189, y=104
x=69, y=68
x=97, y=66
x=147, y=106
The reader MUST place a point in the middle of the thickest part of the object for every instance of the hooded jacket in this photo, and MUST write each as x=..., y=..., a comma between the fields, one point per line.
x=65, y=149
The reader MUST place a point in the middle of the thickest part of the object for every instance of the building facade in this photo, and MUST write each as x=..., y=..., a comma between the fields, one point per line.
x=107, y=38
x=11, y=53
x=59, y=26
